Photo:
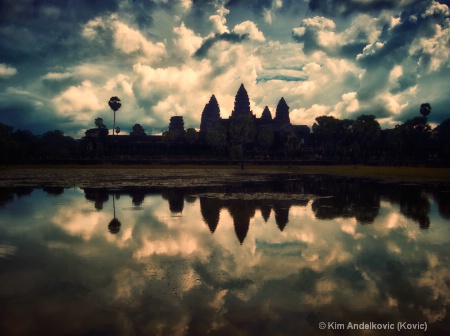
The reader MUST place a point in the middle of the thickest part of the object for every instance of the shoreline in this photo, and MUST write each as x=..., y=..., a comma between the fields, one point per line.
x=113, y=176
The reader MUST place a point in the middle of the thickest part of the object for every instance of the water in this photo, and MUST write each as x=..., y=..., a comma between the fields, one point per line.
x=273, y=258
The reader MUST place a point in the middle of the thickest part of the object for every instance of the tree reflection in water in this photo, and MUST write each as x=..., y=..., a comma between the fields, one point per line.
x=114, y=224
x=166, y=274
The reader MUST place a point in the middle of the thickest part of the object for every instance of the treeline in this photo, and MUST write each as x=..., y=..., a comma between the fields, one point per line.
x=23, y=145
x=359, y=140
x=362, y=141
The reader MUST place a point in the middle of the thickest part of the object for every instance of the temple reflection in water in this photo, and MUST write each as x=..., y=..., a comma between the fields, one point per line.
x=239, y=258
x=330, y=197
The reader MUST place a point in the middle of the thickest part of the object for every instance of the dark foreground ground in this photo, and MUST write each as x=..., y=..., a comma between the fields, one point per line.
x=115, y=176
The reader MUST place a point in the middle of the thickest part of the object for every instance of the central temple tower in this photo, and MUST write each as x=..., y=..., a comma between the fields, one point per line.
x=241, y=103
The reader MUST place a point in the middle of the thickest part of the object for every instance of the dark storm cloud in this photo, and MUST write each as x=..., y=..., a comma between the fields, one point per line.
x=344, y=47
x=405, y=81
x=256, y=5
x=376, y=108
x=394, y=48
x=396, y=41
x=259, y=7
x=209, y=43
x=430, y=90
x=23, y=11
x=346, y=7
x=48, y=32
x=39, y=34
x=309, y=38
x=25, y=111
x=45, y=37
x=140, y=10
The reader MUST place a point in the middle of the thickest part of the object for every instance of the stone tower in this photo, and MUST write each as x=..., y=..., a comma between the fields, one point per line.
x=266, y=116
x=241, y=103
x=210, y=115
x=282, y=112
x=177, y=126
x=138, y=130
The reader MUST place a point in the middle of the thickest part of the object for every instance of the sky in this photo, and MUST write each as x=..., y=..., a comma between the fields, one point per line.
x=61, y=60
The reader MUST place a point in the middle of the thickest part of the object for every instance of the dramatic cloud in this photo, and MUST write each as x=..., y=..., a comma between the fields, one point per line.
x=61, y=61
x=321, y=258
x=346, y=7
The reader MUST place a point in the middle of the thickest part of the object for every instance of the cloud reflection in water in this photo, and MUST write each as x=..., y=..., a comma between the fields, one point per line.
x=192, y=262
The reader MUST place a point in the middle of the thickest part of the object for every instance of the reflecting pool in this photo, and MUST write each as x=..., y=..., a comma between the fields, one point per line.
x=277, y=257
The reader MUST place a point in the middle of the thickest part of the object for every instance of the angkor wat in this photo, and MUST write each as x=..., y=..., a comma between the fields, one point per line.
x=264, y=136
x=242, y=136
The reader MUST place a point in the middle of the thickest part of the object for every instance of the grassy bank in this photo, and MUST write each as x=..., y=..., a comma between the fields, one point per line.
x=400, y=173
x=388, y=172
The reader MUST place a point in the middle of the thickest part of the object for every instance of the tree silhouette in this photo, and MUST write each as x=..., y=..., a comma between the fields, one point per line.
x=114, y=225
x=416, y=135
x=327, y=134
x=54, y=144
x=425, y=109
x=27, y=145
x=115, y=104
x=99, y=123
x=6, y=141
x=442, y=136
x=366, y=133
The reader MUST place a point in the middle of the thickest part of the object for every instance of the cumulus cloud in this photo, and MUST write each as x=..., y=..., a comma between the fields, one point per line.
x=7, y=71
x=393, y=52
x=219, y=21
x=250, y=29
x=130, y=41
x=155, y=90
x=385, y=52
x=78, y=102
x=187, y=41
x=319, y=34
x=123, y=38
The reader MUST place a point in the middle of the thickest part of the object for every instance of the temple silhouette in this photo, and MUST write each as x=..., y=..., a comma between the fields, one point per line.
x=350, y=198
x=273, y=135
x=241, y=137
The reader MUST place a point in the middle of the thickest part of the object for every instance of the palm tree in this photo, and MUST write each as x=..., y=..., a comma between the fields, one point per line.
x=114, y=225
x=115, y=104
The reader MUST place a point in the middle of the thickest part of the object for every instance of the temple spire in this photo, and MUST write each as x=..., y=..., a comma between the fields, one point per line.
x=266, y=115
x=241, y=103
x=282, y=112
x=210, y=115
